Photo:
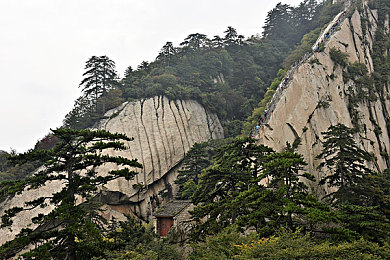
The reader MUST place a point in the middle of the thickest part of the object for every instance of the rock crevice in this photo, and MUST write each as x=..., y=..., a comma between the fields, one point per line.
x=163, y=132
x=314, y=101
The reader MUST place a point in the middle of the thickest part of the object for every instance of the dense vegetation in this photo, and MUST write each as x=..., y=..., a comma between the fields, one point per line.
x=228, y=74
x=251, y=202
x=251, y=187
x=73, y=164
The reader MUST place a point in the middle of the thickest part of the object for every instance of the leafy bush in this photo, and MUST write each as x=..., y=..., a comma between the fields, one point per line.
x=293, y=245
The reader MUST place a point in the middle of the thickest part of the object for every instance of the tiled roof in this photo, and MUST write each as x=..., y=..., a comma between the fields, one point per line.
x=172, y=208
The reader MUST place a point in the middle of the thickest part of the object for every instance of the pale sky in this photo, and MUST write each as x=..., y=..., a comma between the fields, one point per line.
x=44, y=45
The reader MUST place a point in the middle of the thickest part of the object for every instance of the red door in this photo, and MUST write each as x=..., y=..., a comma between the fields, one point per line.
x=163, y=226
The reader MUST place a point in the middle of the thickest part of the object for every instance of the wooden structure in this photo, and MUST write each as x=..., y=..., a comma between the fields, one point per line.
x=172, y=214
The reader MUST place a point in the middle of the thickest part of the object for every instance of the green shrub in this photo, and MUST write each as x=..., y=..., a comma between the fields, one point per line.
x=293, y=245
x=338, y=57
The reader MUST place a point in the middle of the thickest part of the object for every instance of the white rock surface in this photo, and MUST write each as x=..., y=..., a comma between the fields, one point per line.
x=163, y=131
x=297, y=114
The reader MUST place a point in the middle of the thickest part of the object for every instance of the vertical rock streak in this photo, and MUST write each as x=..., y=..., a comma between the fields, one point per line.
x=159, y=129
x=178, y=127
x=302, y=111
x=163, y=133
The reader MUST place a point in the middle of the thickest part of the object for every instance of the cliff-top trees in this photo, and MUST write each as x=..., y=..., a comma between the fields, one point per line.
x=73, y=165
x=232, y=37
x=166, y=52
x=99, y=76
x=195, y=41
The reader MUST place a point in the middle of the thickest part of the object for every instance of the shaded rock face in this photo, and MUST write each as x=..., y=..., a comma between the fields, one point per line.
x=301, y=113
x=163, y=131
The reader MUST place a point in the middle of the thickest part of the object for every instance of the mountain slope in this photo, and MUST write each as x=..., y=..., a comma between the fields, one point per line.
x=163, y=131
x=322, y=93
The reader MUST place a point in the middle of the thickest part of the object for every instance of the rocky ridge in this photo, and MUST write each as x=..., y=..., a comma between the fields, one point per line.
x=317, y=97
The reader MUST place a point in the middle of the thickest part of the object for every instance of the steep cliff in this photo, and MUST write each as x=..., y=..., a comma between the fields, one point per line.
x=163, y=131
x=319, y=95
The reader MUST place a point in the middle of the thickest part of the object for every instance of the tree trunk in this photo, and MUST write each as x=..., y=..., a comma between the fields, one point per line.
x=71, y=243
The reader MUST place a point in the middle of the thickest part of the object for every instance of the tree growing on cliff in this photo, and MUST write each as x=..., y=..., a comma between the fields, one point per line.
x=99, y=76
x=71, y=229
x=194, y=162
x=360, y=196
x=279, y=198
x=167, y=51
x=345, y=161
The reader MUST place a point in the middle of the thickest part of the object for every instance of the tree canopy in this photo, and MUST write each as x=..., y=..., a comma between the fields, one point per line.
x=99, y=77
x=228, y=74
x=345, y=160
x=73, y=163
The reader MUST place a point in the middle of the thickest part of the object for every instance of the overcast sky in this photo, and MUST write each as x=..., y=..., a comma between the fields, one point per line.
x=44, y=45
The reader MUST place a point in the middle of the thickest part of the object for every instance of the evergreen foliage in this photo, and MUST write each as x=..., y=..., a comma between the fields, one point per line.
x=253, y=186
x=73, y=163
x=295, y=245
x=290, y=24
x=3, y=160
x=346, y=162
x=235, y=166
x=238, y=186
x=227, y=74
x=324, y=13
x=11, y=172
x=338, y=57
x=131, y=240
x=194, y=162
x=380, y=56
x=285, y=244
x=198, y=158
x=281, y=199
x=359, y=198
x=99, y=76
x=100, y=93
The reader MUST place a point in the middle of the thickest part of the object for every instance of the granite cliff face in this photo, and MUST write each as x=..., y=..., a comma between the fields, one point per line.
x=163, y=131
x=316, y=97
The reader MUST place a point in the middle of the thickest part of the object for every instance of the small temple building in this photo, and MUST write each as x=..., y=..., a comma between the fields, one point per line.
x=173, y=214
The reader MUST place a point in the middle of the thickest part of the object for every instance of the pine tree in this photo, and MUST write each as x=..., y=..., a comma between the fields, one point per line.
x=100, y=76
x=279, y=198
x=74, y=163
x=82, y=115
x=195, y=41
x=360, y=198
x=128, y=72
x=278, y=24
x=218, y=42
x=345, y=161
x=166, y=52
x=144, y=66
x=235, y=167
x=232, y=37
x=194, y=162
